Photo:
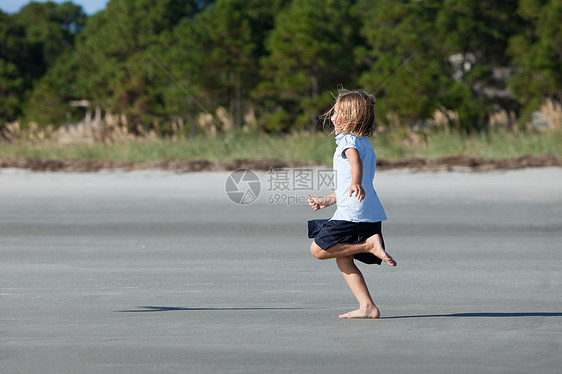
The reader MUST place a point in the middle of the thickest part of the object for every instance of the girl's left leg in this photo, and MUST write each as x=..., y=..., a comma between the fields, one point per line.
x=356, y=282
x=373, y=245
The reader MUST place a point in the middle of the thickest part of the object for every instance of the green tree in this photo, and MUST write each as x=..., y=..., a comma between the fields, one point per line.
x=47, y=31
x=403, y=57
x=309, y=53
x=49, y=102
x=476, y=34
x=213, y=58
x=16, y=68
x=537, y=53
x=11, y=92
x=482, y=28
x=111, y=66
x=220, y=53
x=51, y=28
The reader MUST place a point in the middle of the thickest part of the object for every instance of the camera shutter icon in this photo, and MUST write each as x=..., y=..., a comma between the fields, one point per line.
x=242, y=186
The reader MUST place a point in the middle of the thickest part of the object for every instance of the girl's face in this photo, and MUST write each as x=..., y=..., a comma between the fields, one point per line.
x=337, y=120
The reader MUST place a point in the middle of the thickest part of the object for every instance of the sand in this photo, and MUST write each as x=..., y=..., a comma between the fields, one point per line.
x=159, y=272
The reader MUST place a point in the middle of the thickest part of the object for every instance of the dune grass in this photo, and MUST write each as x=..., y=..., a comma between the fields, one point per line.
x=303, y=146
x=492, y=145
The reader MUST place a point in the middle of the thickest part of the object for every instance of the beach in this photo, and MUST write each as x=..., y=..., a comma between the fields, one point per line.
x=159, y=271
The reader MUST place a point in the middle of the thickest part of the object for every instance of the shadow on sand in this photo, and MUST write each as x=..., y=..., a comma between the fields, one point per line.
x=484, y=314
x=144, y=309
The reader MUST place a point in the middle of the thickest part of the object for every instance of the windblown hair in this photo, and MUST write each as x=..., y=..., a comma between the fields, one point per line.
x=358, y=111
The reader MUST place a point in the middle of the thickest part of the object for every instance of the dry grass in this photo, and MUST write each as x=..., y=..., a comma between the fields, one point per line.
x=216, y=141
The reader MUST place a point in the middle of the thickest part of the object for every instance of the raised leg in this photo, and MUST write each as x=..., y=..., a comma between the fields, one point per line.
x=371, y=245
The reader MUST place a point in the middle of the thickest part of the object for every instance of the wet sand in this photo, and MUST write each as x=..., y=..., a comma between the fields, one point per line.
x=153, y=271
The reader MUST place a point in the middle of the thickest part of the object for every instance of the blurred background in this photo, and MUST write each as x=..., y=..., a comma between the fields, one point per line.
x=146, y=80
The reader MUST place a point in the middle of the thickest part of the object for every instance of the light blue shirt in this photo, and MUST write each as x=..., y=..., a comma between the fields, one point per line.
x=349, y=208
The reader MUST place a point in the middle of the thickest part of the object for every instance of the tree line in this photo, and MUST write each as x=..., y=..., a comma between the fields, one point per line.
x=164, y=62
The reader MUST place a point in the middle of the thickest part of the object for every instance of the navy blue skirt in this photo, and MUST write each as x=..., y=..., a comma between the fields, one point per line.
x=326, y=233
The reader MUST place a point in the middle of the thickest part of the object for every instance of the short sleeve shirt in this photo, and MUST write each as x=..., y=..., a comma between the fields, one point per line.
x=348, y=207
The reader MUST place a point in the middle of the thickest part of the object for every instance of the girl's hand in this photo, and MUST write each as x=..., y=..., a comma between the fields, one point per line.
x=319, y=202
x=358, y=190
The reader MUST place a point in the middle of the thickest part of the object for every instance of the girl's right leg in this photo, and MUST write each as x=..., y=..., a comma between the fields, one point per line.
x=356, y=282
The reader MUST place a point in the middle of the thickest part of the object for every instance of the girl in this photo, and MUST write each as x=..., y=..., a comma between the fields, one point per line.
x=354, y=231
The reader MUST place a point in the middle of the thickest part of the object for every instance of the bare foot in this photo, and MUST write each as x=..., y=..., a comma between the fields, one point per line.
x=378, y=250
x=369, y=312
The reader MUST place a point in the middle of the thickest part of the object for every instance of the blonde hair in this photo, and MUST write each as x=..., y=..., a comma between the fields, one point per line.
x=357, y=109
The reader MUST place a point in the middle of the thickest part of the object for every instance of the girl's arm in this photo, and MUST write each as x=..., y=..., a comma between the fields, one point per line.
x=320, y=202
x=356, y=173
